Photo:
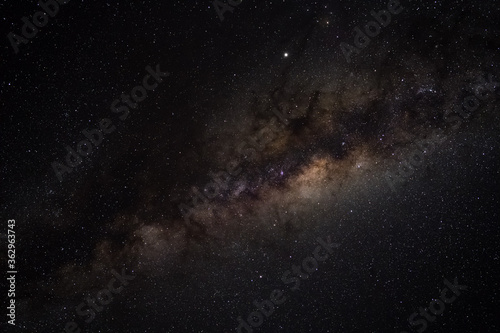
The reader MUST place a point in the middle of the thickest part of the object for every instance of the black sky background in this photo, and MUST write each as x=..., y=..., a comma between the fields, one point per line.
x=119, y=208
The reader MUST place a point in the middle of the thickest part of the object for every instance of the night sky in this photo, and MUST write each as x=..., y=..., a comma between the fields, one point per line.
x=251, y=166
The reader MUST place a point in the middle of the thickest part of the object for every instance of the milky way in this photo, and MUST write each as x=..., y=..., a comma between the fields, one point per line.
x=229, y=172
